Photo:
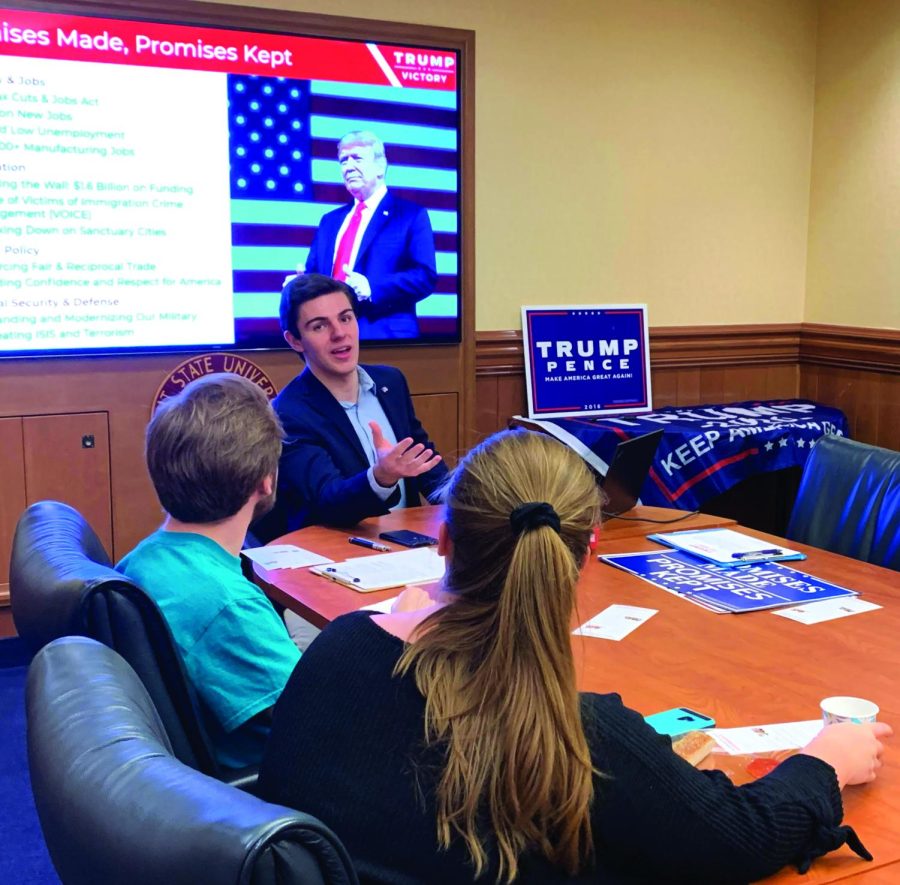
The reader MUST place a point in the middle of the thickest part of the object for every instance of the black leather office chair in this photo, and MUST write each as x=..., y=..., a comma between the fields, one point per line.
x=849, y=501
x=117, y=807
x=62, y=583
x=56, y=560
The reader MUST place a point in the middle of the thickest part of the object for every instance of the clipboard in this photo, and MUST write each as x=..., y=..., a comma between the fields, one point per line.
x=366, y=574
x=726, y=548
x=342, y=575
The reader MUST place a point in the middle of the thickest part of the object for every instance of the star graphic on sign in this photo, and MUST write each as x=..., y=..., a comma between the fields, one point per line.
x=801, y=443
x=769, y=446
x=783, y=442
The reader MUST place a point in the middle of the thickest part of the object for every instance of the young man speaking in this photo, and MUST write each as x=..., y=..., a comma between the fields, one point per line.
x=353, y=445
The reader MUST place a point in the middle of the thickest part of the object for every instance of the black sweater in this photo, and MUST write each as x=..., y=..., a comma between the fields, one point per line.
x=347, y=746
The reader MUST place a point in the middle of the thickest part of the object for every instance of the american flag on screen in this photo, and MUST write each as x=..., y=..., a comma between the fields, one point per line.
x=285, y=177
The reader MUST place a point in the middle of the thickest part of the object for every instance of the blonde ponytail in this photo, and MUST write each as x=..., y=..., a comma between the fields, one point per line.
x=496, y=667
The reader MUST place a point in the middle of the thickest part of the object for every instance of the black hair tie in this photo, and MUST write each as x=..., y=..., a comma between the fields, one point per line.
x=533, y=515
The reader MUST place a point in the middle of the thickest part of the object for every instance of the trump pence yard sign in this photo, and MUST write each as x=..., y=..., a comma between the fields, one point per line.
x=586, y=360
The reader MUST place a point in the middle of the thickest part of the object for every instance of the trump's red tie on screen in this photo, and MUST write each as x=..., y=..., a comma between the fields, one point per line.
x=345, y=247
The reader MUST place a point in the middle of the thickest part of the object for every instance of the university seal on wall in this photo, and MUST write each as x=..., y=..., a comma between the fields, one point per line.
x=209, y=364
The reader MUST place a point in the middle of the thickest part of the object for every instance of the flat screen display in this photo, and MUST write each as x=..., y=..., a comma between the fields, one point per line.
x=158, y=181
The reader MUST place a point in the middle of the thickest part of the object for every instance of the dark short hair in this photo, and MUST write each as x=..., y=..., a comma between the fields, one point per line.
x=302, y=288
x=211, y=445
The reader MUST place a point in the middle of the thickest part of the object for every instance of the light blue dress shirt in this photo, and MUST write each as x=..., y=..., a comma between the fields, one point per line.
x=367, y=408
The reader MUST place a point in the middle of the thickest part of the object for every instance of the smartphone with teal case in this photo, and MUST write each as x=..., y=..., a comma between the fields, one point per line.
x=678, y=721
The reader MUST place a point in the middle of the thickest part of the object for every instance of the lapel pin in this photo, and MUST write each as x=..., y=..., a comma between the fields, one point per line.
x=386, y=212
x=384, y=390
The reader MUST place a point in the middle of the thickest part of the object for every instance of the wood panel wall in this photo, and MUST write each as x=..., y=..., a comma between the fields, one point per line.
x=855, y=369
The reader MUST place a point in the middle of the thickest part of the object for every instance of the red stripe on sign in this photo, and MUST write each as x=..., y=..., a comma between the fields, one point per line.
x=710, y=471
x=661, y=485
x=589, y=423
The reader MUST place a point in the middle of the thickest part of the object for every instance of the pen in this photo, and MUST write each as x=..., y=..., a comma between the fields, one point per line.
x=365, y=542
x=754, y=554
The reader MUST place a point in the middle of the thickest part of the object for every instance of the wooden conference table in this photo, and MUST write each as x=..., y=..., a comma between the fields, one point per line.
x=746, y=669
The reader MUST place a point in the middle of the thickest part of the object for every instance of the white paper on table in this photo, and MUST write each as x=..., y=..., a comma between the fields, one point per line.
x=826, y=610
x=284, y=556
x=615, y=622
x=421, y=565
x=384, y=607
x=766, y=738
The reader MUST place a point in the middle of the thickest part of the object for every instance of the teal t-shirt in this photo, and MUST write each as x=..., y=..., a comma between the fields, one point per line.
x=235, y=648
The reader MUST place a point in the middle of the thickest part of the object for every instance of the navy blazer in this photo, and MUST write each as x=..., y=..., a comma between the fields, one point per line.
x=322, y=475
x=396, y=255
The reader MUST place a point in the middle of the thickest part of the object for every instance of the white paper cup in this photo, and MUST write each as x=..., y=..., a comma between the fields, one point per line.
x=846, y=709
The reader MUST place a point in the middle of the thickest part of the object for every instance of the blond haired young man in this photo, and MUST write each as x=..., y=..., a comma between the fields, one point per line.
x=212, y=452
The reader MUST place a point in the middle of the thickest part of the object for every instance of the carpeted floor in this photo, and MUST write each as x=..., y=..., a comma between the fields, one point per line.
x=24, y=859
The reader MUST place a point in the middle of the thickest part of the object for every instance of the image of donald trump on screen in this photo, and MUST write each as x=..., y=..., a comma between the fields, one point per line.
x=380, y=244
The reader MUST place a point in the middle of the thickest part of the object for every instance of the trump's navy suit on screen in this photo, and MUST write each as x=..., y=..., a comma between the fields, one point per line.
x=322, y=476
x=396, y=255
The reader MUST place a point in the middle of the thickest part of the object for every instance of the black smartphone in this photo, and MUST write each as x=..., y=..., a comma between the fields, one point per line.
x=409, y=539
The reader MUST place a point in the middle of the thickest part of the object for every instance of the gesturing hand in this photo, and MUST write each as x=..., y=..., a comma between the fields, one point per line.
x=401, y=461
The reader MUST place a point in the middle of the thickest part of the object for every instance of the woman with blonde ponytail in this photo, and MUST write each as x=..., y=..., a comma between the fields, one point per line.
x=449, y=744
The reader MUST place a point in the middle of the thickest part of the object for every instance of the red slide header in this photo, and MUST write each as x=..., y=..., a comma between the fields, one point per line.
x=152, y=44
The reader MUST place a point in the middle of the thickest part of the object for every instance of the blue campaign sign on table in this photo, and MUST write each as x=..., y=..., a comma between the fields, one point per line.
x=745, y=588
x=586, y=359
x=705, y=450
